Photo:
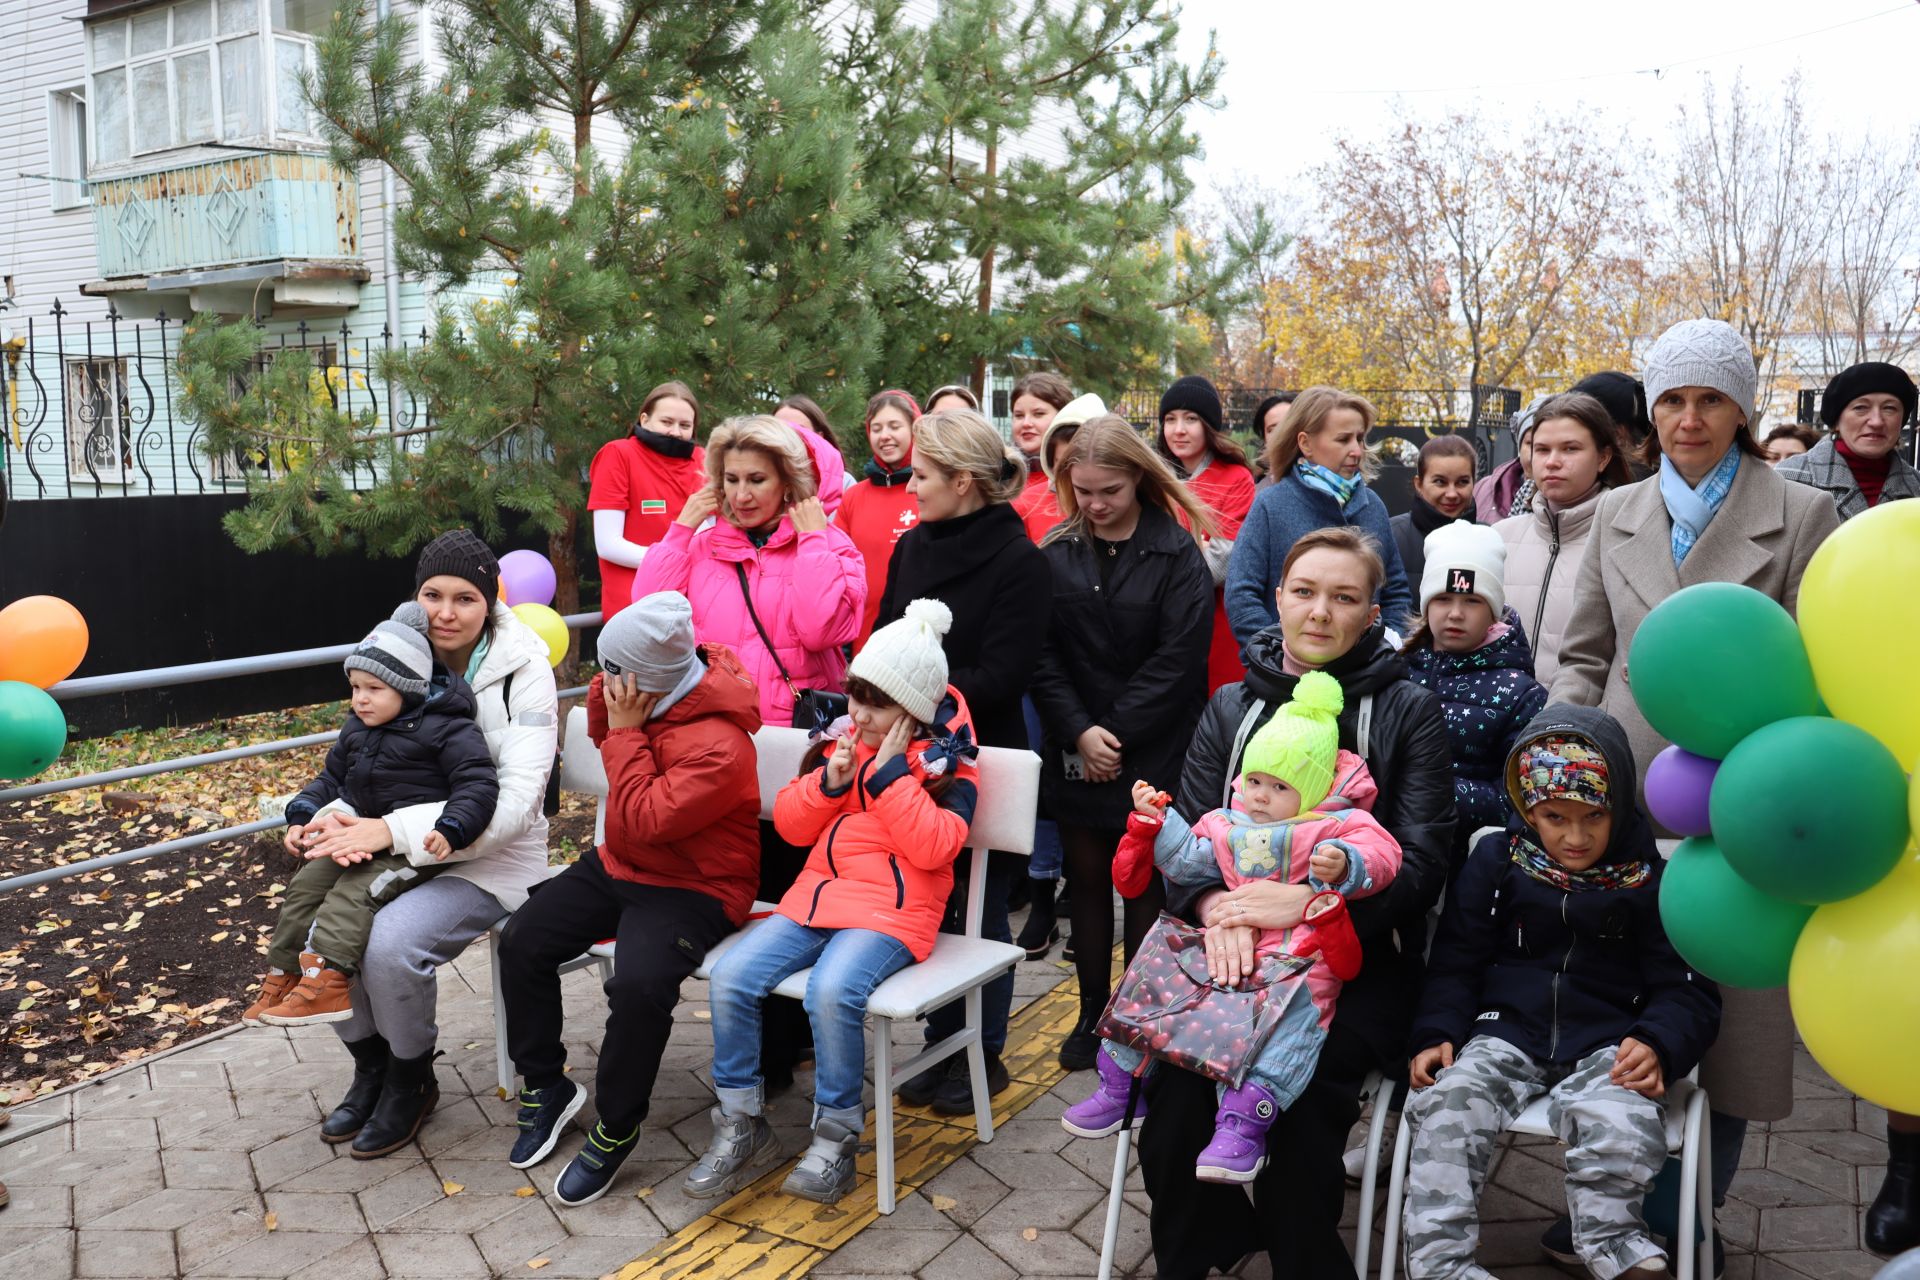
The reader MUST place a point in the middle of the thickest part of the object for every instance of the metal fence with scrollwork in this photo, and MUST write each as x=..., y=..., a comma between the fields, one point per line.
x=89, y=405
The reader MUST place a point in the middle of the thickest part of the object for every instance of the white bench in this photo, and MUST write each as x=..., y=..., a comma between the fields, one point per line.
x=960, y=966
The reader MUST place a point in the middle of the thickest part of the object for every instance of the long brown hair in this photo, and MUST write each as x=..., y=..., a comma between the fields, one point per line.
x=1043, y=385
x=1307, y=417
x=1111, y=441
x=871, y=694
x=670, y=391
x=1219, y=444
x=1583, y=409
x=816, y=417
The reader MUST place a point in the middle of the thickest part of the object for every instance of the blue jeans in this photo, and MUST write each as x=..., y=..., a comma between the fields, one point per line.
x=847, y=965
x=1047, y=858
x=996, y=998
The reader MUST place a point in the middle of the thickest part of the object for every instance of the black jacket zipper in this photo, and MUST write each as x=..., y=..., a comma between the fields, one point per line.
x=833, y=872
x=899, y=884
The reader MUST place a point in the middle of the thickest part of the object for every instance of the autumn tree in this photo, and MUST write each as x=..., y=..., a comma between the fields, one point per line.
x=633, y=190
x=1247, y=213
x=1750, y=211
x=1448, y=256
x=1862, y=297
x=1032, y=155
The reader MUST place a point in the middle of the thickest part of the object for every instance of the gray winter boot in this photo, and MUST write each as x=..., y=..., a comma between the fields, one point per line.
x=741, y=1144
x=825, y=1172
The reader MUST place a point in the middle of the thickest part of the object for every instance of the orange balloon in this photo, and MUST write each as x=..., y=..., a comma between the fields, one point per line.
x=42, y=640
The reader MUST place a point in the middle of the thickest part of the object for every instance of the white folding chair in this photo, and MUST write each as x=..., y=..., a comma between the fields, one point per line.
x=1688, y=1136
x=1376, y=1089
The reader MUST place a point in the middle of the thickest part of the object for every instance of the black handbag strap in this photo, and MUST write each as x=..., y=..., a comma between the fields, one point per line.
x=765, y=639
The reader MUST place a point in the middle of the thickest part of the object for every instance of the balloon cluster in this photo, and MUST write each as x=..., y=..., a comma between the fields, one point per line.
x=1789, y=778
x=527, y=584
x=42, y=640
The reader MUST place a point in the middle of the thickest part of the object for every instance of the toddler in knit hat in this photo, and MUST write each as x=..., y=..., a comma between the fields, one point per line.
x=1293, y=822
x=410, y=738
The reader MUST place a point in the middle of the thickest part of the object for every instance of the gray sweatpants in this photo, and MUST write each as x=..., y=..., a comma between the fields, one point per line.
x=1616, y=1142
x=412, y=937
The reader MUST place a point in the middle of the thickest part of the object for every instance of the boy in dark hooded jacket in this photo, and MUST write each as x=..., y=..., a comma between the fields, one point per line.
x=410, y=738
x=1551, y=974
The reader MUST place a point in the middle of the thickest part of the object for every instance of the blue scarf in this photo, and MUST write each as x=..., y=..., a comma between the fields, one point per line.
x=1692, y=509
x=1327, y=481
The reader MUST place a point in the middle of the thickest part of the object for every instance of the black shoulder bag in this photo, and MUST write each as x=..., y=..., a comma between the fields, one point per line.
x=814, y=710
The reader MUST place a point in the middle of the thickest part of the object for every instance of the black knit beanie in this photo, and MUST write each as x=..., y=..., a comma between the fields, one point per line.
x=1620, y=394
x=1196, y=395
x=1871, y=378
x=459, y=553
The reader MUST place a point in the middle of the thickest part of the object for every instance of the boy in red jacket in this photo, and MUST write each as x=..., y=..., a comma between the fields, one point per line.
x=677, y=874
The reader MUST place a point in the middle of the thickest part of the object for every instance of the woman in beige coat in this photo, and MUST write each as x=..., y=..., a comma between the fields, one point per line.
x=1714, y=512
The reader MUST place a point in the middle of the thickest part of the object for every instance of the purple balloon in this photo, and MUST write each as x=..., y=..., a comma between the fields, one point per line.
x=527, y=577
x=1678, y=784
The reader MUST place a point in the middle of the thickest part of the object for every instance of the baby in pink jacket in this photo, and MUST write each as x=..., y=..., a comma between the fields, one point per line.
x=1294, y=824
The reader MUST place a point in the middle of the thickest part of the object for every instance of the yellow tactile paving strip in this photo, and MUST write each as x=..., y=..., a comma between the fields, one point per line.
x=766, y=1234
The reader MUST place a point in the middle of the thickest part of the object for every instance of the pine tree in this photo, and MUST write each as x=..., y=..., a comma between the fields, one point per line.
x=1032, y=156
x=710, y=225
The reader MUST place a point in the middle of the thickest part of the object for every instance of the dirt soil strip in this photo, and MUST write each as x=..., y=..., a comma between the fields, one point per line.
x=111, y=966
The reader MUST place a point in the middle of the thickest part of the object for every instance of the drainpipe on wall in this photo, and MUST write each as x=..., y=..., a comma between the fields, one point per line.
x=389, y=271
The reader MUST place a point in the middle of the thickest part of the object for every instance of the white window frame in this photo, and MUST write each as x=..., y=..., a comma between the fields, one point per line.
x=68, y=138
x=265, y=38
x=75, y=375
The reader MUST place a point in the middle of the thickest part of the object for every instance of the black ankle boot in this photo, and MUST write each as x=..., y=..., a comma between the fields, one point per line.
x=1041, y=930
x=406, y=1098
x=369, y=1074
x=1893, y=1221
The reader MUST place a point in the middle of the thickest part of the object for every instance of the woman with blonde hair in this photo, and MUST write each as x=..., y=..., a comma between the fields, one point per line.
x=770, y=579
x=1319, y=463
x=970, y=551
x=1123, y=675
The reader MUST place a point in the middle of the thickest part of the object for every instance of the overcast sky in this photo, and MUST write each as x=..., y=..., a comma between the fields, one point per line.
x=1302, y=72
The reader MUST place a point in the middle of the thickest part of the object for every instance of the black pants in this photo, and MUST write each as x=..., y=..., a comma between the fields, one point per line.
x=1297, y=1199
x=662, y=935
x=1089, y=865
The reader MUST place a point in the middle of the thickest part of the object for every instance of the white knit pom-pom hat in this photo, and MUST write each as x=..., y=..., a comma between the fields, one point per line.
x=904, y=659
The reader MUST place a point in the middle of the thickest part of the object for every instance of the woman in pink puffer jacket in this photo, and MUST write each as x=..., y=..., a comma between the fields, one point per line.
x=771, y=548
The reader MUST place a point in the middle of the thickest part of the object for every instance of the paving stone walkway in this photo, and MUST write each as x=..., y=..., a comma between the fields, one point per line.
x=207, y=1163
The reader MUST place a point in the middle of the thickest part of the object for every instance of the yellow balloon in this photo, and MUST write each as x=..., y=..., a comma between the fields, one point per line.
x=1860, y=616
x=549, y=626
x=1853, y=998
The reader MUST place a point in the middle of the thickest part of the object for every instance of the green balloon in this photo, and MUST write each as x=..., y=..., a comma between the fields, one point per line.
x=1810, y=810
x=1723, y=926
x=32, y=729
x=1714, y=662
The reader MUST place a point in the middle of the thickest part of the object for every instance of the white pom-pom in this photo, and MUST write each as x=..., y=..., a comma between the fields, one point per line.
x=931, y=614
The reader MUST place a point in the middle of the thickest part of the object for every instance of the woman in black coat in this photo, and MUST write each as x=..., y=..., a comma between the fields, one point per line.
x=970, y=551
x=1123, y=676
x=1327, y=622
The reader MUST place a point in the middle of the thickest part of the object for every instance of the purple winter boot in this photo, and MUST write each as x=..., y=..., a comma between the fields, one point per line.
x=1239, y=1146
x=1102, y=1114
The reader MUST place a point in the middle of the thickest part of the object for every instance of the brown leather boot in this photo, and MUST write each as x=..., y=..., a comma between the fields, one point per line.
x=274, y=987
x=323, y=995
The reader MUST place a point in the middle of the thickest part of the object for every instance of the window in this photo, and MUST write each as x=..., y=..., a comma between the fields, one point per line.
x=67, y=148
x=203, y=71
x=243, y=462
x=99, y=436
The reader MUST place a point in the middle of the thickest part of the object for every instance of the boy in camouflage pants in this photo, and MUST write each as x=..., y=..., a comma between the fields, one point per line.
x=1551, y=975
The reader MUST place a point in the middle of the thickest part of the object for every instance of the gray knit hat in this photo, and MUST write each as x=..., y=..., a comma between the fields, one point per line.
x=652, y=641
x=1703, y=353
x=396, y=653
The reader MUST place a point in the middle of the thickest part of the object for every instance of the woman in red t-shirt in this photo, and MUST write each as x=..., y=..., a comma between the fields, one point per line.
x=1036, y=399
x=638, y=484
x=1216, y=471
x=879, y=509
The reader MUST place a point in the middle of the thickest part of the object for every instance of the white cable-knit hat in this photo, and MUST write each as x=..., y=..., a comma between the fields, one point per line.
x=1466, y=559
x=904, y=659
x=1703, y=353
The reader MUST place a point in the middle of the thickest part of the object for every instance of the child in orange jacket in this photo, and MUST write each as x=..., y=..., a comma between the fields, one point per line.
x=885, y=806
